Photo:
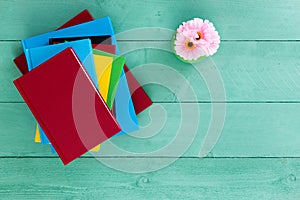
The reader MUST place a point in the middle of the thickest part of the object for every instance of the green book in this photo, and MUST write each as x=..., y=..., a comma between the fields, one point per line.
x=116, y=71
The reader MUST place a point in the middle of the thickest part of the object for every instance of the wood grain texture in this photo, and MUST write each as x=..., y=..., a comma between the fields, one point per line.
x=250, y=130
x=185, y=179
x=264, y=71
x=257, y=155
x=235, y=20
x=250, y=71
x=8, y=71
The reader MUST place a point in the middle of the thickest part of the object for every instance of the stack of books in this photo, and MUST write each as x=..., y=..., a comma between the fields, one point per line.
x=78, y=87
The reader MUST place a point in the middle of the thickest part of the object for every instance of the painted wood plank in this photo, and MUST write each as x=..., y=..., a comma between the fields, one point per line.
x=8, y=71
x=250, y=71
x=250, y=130
x=235, y=20
x=185, y=179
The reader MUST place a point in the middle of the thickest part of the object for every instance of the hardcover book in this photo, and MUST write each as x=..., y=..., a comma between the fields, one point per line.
x=69, y=108
x=38, y=55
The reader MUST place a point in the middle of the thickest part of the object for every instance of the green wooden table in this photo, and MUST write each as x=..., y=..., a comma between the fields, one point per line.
x=258, y=153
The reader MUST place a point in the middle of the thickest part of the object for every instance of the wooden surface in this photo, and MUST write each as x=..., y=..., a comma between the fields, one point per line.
x=257, y=155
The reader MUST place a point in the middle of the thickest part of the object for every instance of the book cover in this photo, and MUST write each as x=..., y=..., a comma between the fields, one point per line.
x=123, y=107
x=38, y=55
x=103, y=65
x=68, y=106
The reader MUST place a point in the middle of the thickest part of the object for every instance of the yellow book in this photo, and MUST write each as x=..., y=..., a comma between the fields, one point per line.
x=37, y=137
x=96, y=148
x=103, y=66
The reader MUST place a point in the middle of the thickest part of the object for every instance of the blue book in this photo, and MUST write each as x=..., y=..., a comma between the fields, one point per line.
x=124, y=109
x=99, y=27
x=102, y=26
x=83, y=49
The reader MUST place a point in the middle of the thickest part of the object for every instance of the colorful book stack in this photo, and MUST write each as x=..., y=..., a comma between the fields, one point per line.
x=78, y=87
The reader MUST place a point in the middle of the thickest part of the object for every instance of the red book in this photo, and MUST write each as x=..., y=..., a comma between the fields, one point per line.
x=139, y=97
x=109, y=48
x=82, y=17
x=67, y=105
x=21, y=63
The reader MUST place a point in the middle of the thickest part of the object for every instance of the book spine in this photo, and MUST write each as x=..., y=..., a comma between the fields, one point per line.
x=24, y=45
x=27, y=55
x=36, y=115
x=29, y=62
x=95, y=89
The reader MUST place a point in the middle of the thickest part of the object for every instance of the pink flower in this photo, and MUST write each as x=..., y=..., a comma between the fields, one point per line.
x=196, y=38
x=186, y=48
